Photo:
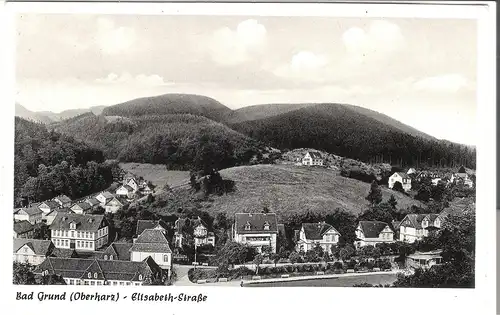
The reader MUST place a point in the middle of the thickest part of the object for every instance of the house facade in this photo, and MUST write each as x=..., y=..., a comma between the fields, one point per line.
x=104, y=197
x=256, y=230
x=317, y=234
x=373, y=233
x=63, y=200
x=48, y=206
x=33, y=215
x=125, y=191
x=424, y=260
x=79, y=231
x=153, y=243
x=411, y=171
x=201, y=234
x=23, y=229
x=31, y=251
x=78, y=271
x=312, y=158
x=114, y=205
x=402, y=178
x=415, y=227
x=81, y=208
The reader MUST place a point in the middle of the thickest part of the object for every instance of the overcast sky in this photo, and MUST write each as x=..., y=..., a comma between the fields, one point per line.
x=419, y=71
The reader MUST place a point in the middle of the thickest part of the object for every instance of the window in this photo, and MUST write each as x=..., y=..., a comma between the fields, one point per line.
x=72, y=226
x=110, y=257
x=165, y=258
x=105, y=257
x=247, y=226
x=92, y=282
x=89, y=275
x=266, y=226
x=72, y=233
x=140, y=277
x=129, y=283
x=66, y=233
x=95, y=275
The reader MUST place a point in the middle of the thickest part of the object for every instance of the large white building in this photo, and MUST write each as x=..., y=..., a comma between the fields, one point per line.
x=402, y=178
x=317, y=234
x=79, y=231
x=312, y=158
x=256, y=230
x=373, y=233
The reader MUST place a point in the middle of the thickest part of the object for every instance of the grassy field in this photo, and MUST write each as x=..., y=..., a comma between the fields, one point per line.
x=157, y=174
x=287, y=189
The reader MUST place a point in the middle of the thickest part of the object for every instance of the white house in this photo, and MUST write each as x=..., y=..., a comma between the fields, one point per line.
x=83, y=232
x=31, y=251
x=402, y=178
x=312, y=158
x=49, y=217
x=114, y=204
x=63, y=200
x=79, y=271
x=125, y=191
x=372, y=233
x=202, y=236
x=153, y=243
x=314, y=234
x=81, y=208
x=132, y=182
x=417, y=226
x=256, y=230
x=23, y=229
x=411, y=171
x=104, y=197
x=33, y=215
x=48, y=206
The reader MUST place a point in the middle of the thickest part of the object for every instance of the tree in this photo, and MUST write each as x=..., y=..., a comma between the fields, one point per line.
x=257, y=261
x=438, y=191
x=368, y=251
x=398, y=187
x=381, y=212
x=347, y=252
x=345, y=223
x=392, y=201
x=294, y=257
x=23, y=274
x=233, y=253
x=375, y=194
x=41, y=231
x=275, y=258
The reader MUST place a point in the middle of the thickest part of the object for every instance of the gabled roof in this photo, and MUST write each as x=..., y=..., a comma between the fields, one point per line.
x=63, y=253
x=22, y=227
x=92, y=201
x=462, y=170
x=28, y=211
x=63, y=198
x=120, y=251
x=395, y=225
x=83, y=205
x=149, y=224
x=403, y=175
x=372, y=229
x=116, y=270
x=50, y=203
x=120, y=200
x=315, y=231
x=84, y=222
x=315, y=155
x=256, y=221
x=127, y=187
x=413, y=220
x=39, y=247
x=106, y=194
x=151, y=241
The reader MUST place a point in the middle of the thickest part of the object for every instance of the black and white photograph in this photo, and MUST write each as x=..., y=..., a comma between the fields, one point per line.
x=242, y=151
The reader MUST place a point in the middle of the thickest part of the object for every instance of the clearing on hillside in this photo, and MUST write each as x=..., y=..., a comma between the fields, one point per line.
x=158, y=174
x=287, y=189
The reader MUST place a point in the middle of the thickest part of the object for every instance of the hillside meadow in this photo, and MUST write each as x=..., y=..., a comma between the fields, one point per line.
x=158, y=174
x=284, y=189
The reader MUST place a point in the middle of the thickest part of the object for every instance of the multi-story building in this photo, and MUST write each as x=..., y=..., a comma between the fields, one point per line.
x=78, y=271
x=32, y=214
x=373, y=233
x=402, y=178
x=34, y=252
x=153, y=243
x=201, y=234
x=256, y=230
x=317, y=234
x=79, y=231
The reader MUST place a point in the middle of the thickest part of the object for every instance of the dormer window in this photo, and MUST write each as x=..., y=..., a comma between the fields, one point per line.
x=266, y=226
x=89, y=275
x=140, y=277
x=247, y=226
x=95, y=275
x=110, y=257
x=105, y=257
x=72, y=225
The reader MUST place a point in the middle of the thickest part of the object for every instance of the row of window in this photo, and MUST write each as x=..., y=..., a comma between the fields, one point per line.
x=97, y=282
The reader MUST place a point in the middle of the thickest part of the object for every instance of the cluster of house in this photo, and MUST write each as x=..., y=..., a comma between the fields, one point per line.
x=26, y=218
x=405, y=178
x=76, y=253
x=262, y=229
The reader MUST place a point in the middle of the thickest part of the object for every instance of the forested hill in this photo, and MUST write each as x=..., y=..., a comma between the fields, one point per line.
x=179, y=141
x=170, y=104
x=342, y=130
x=47, y=164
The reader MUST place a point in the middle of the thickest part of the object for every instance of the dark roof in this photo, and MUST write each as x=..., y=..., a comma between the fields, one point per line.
x=151, y=241
x=462, y=170
x=60, y=210
x=92, y=201
x=315, y=155
x=39, y=247
x=149, y=224
x=315, y=231
x=51, y=204
x=30, y=210
x=84, y=222
x=106, y=269
x=372, y=229
x=413, y=220
x=63, y=253
x=83, y=205
x=256, y=222
x=119, y=199
x=106, y=194
x=22, y=227
x=281, y=229
x=120, y=251
x=63, y=198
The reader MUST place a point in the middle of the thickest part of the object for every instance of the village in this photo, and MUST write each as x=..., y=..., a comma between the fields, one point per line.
x=81, y=247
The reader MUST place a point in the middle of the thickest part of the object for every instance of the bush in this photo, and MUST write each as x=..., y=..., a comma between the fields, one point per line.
x=240, y=272
x=266, y=270
x=337, y=265
x=283, y=261
x=350, y=264
x=369, y=265
x=289, y=268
